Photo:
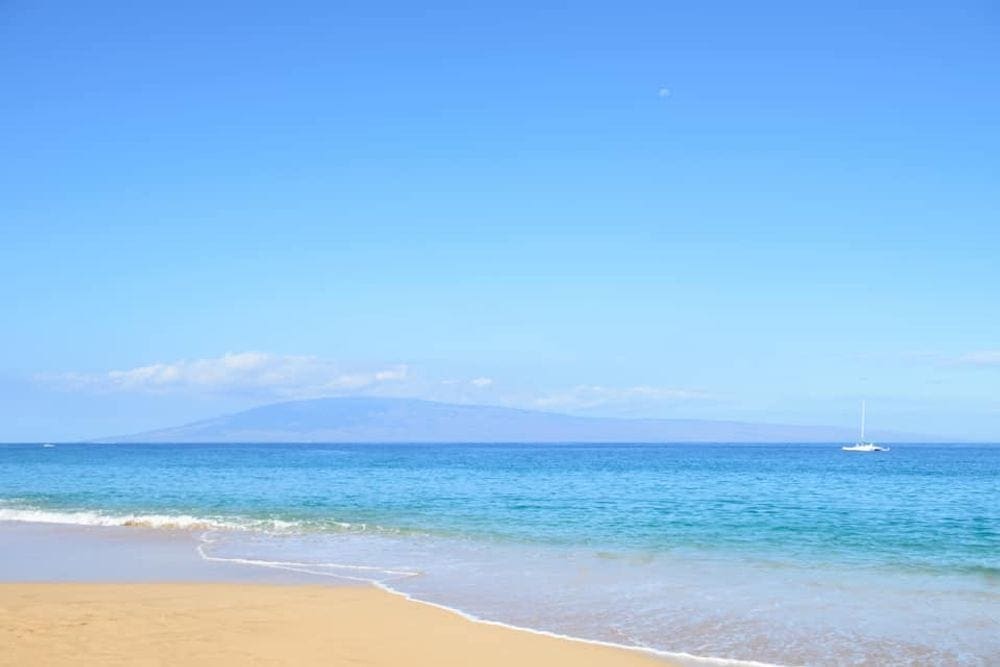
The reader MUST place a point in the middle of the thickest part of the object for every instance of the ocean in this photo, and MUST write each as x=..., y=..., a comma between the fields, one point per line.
x=781, y=554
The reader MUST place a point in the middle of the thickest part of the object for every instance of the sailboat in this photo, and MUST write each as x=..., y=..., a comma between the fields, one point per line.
x=861, y=445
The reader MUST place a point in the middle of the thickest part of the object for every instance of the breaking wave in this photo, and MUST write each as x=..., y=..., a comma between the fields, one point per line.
x=169, y=521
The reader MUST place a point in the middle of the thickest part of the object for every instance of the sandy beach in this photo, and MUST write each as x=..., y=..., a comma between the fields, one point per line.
x=262, y=624
x=118, y=595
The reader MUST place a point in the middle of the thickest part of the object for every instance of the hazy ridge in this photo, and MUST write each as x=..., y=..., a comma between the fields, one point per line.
x=395, y=420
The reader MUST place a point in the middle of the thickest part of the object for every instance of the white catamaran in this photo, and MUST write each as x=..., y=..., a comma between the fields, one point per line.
x=861, y=445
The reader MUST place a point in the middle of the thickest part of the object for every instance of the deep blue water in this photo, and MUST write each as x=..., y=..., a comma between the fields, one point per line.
x=919, y=519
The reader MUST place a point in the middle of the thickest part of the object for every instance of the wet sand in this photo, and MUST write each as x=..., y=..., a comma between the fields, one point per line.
x=117, y=596
x=264, y=624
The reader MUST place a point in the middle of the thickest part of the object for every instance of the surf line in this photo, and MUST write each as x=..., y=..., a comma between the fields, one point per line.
x=399, y=575
x=204, y=540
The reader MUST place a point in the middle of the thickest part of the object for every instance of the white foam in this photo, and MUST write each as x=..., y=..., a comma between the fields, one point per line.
x=322, y=570
x=311, y=568
x=160, y=521
x=676, y=656
x=374, y=575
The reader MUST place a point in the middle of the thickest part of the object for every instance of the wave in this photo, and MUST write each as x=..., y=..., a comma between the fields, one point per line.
x=681, y=657
x=380, y=577
x=365, y=573
x=157, y=521
x=383, y=577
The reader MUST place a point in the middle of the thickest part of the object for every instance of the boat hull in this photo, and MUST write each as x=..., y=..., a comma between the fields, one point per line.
x=864, y=448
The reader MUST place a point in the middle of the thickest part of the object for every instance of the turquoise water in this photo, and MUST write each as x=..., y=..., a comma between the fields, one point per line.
x=778, y=553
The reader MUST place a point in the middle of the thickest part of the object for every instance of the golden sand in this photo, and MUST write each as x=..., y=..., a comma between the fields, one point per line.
x=237, y=624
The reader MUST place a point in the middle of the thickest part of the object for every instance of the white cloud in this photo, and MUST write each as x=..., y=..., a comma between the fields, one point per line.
x=586, y=397
x=663, y=92
x=981, y=358
x=256, y=373
x=266, y=376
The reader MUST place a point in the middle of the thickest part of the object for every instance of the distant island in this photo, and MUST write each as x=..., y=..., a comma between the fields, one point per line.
x=399, y=420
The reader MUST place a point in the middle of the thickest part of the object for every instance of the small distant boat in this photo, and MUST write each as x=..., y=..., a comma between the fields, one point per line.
x=48, y=444
x=861, y=445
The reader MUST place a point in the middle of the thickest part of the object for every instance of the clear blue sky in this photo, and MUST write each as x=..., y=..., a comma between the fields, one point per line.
x=758, y=211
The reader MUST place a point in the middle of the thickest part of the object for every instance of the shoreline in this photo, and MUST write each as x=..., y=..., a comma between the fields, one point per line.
x=283, y=624
x=124, y=565
x=128, y=550
x=137, y=554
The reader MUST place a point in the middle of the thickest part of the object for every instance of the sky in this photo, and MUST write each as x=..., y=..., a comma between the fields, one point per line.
x=761, y=211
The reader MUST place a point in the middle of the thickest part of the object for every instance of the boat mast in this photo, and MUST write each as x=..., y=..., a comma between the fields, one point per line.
x=862, y=422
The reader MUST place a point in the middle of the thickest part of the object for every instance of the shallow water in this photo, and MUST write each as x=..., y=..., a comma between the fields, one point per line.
x=781, y=553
